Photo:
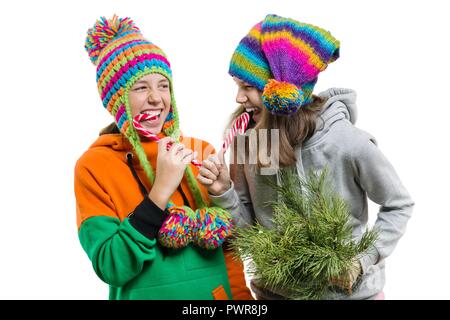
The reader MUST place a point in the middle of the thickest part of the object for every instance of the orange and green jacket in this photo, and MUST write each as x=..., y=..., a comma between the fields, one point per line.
x=118, y=226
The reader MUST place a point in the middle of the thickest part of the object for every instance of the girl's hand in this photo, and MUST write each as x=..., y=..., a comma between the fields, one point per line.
x=214, y=175
x=347, y=281
x=170, y=168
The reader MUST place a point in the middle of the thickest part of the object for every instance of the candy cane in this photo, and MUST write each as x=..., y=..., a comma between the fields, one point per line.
x=240, y=125
x=140, y=129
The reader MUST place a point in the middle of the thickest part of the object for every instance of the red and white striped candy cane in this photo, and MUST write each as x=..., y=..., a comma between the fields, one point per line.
x=140, y=129
x=239, y=125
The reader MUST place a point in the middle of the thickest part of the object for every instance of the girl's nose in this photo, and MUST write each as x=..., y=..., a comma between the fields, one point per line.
x=241, y=97
x=154, y=97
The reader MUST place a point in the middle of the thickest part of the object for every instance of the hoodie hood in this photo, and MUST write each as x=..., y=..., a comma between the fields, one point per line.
x=114, y=141
x=340, y=105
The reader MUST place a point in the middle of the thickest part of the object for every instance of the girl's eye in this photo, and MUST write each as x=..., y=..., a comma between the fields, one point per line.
x=164, y=86
x=143, y=88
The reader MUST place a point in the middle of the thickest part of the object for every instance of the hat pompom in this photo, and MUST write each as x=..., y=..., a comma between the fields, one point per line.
x=282, y=98
x=103, y=32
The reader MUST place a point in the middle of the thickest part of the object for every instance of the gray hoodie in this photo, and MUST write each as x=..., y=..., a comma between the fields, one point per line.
x=359, y=171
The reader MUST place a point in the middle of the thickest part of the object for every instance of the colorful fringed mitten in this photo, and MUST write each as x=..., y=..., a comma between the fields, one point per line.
x=207, y=227
x=214, y=226
x=179, y=228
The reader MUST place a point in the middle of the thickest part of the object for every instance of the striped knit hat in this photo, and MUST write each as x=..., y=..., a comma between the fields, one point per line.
x=122, y=56
x=282, y=58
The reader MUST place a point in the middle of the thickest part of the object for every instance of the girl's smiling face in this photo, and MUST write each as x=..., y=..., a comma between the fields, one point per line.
x=151, y=95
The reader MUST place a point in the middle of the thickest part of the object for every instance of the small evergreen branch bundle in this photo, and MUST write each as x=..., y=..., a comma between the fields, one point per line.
x=311, y=243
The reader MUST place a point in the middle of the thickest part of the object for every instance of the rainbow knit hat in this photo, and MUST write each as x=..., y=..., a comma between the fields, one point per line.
x=282, y=58
x=122, y=56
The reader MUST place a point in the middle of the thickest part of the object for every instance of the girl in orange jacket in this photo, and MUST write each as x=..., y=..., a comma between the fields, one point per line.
x=143, y=219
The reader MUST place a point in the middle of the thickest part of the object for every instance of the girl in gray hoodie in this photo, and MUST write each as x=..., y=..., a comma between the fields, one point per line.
x=276, y=66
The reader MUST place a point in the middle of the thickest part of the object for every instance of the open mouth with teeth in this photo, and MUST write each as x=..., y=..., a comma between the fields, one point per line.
x=254, y=113
x=151, y=115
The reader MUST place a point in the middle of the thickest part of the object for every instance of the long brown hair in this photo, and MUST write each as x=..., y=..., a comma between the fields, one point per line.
x=293, y=129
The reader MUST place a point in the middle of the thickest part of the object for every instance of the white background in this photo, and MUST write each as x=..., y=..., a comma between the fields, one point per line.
x=395, y=54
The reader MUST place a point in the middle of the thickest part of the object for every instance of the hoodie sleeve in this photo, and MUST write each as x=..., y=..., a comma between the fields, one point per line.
x=117, y=249
x=380, y=181
x=236, y=199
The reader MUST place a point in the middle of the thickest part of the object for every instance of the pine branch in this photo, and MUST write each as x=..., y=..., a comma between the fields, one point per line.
x=311, y=242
